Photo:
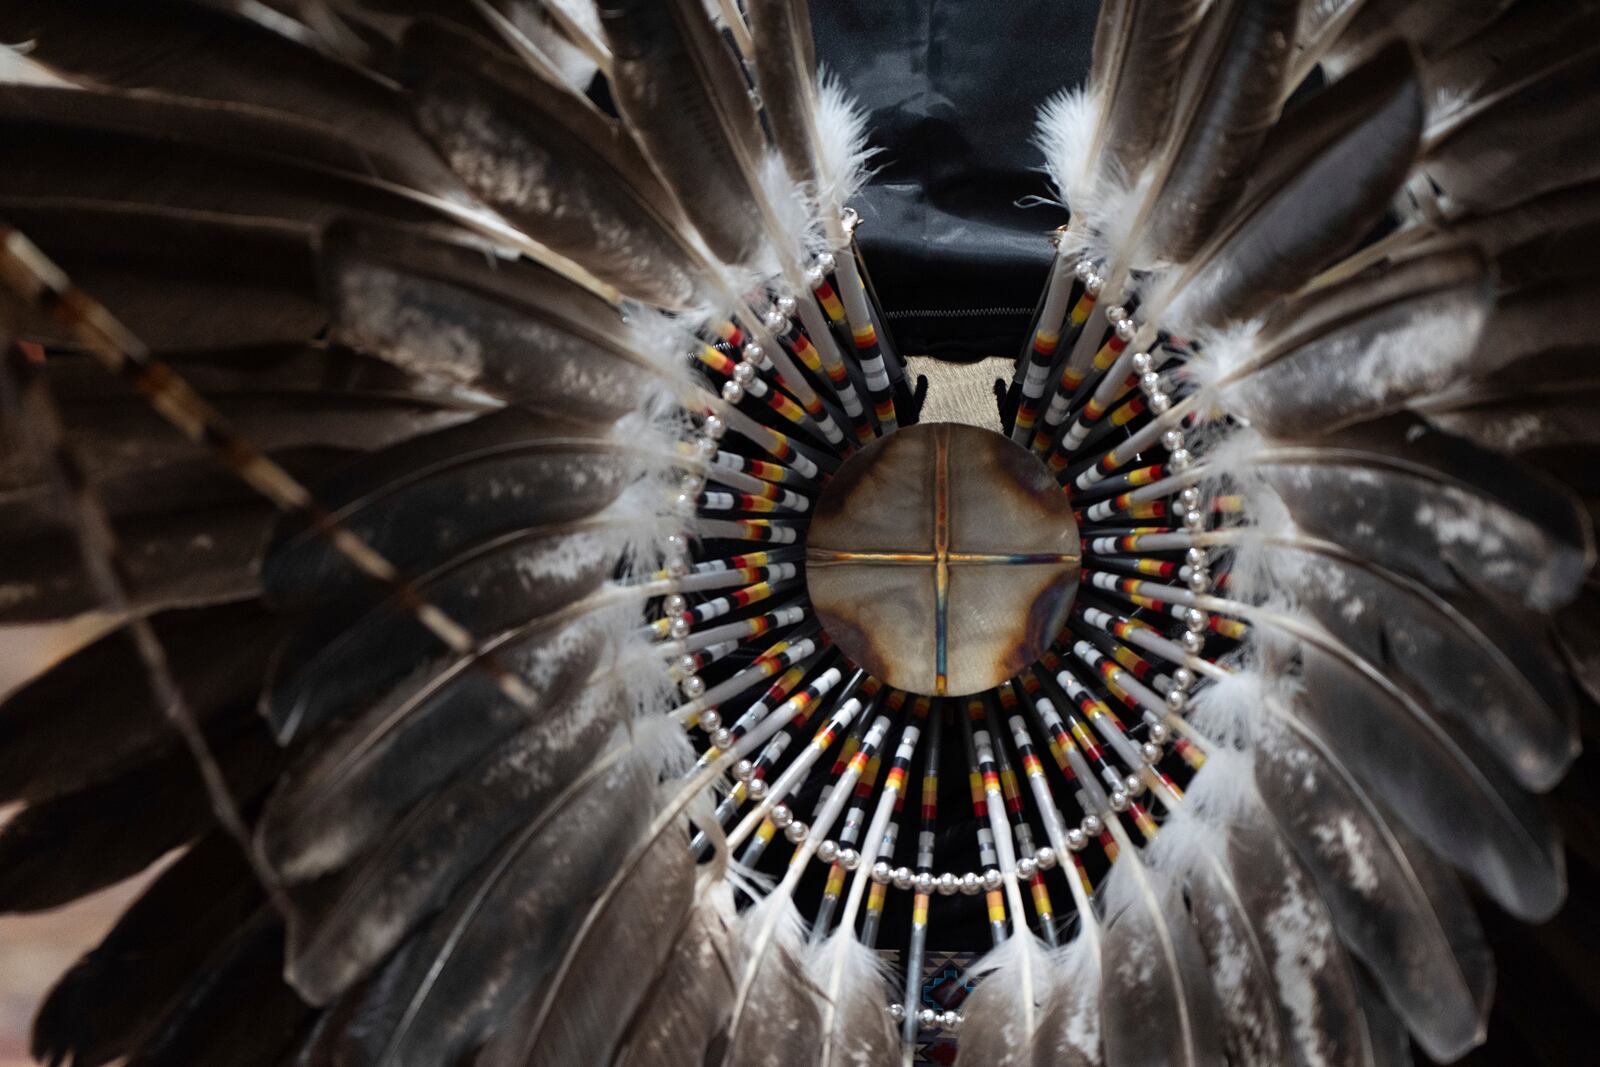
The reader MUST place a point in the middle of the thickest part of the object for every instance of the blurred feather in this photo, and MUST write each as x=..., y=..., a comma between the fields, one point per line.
x=1154, y=968
x=490, y=588
x=691, y=997
x=684, y=97
x=457, y=313
x=467, y=972
x=216, y=656
x=1462, y=660
x=436, y=494
x=1227, y=101
x=1138, y=44
x=1406, y=918
x=207, y=51
x=237, y=1009
x=344, y=928
x=1422, y=503
x=785, y=66
x=585, y=1010
x=119, y=991
x=1440, y=783
x=998, y=1008
x=70, y=845
x=415, y=738
x=553, y=164
x=1532, y=138
x=1322, y=179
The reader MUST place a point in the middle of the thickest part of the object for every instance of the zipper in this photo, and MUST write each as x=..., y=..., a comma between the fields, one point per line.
x=956, y=313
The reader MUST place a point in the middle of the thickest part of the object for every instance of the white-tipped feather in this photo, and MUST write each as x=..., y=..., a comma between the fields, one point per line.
x=844, y=154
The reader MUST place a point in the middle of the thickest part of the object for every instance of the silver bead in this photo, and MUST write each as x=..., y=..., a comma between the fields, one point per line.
x=1126, y=328
x=780, y=815
x=1150, y=752
x=992, y=879
x=776, y=321
x=1116, y=313
x=686, y=664
x=1195, y=556
x=813, y=277
x=686, y=501
x=710, y=721
x=1077, y=840
x=826, y=263
x=1194, y=520
x=752, y=354
x=897, y=1012
x=723, y=739
x=1149, y=381
x=677, y=567
x=675, y=604
x=1082, y=269
x=1195, y=619
x=1176, y=699
x=971, y=883
x=1027, y=867
x=1119, y=800
x=732, y=392
x=758, y=790
x=902, y=877
x=1046, y=856
x=950, y=1020
x=705, y=447
x=1160, y=403
x=786, y=305
x=1093, y=284
x=1193, y=641
x=1199, y=578
x=713, y=427
x=1181, y=459
x=1159, y=732
x=849, y=859
x=882, y=872
x=1190, y=497
x=679, y=628
x=928, y=1019
x=828, y=851
x=1172, y=439
x=1092, y=826
x=948, y=884
x=1183, y=678
x=923, y=882
x=692, y=483
x=1133, y=785
x=693, y=686
x=796, y=831
x=744, y=770
x=1142, y=363
x=744, y=373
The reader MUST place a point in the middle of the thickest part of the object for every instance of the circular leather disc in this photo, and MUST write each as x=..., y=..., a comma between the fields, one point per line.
x=943, y=559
